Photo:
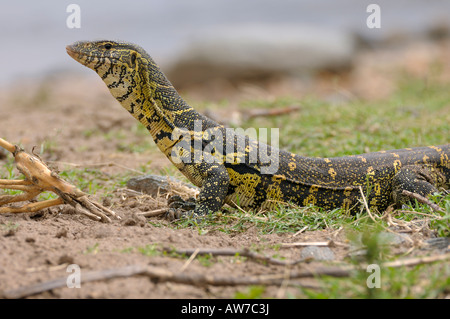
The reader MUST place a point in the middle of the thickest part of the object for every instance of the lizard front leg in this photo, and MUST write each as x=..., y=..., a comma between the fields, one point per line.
x=422, y=179
x=214, y=188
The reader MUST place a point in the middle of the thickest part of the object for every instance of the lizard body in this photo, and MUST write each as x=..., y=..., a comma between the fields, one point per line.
x=240, y=175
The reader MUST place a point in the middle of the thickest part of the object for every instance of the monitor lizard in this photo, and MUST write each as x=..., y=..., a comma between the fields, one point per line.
x=240, y=176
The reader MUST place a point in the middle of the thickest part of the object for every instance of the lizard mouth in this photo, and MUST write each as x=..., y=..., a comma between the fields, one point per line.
x=71, y=51
x=77, y=55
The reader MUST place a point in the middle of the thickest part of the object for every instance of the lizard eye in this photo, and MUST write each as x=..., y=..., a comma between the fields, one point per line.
x=108, y=46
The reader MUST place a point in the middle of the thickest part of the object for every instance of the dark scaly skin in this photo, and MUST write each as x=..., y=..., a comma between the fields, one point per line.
x=135, y=80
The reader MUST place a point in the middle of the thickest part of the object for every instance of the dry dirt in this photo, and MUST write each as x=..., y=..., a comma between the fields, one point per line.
x=80, y=123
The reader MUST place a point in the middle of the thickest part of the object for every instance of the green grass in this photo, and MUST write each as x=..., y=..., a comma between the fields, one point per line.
x=8, y=228
x=94, y=249
x=281, y=220
x=407, y=119
x=252, y=292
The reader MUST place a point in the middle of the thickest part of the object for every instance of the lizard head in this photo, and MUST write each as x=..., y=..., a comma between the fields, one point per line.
x=126, y=69
x=133, y=78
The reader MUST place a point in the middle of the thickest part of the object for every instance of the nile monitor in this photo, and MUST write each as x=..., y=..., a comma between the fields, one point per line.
x=241, y=171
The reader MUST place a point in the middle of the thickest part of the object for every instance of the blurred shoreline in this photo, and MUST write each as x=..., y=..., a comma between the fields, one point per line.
x=373, y=75
x=34, y=34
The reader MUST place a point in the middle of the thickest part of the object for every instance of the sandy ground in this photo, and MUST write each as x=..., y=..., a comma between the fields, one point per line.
x=79, y=122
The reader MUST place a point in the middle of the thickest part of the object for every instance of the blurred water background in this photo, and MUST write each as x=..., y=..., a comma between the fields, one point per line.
x=33, y=34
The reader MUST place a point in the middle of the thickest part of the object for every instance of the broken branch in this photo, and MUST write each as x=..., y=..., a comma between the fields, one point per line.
x=423, y=200
x=39, y=178
x=235, y=252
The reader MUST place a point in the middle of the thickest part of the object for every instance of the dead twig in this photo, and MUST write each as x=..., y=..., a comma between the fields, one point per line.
x=271, y=112
x=418, y=213
x=39, y=178
x=152, y=213
x=416, y=261
x=300, y=231
x=329, y=243
x=235, y=252
x=106, y=164
x=191, y=258
x=423, y=200
x=239, y=116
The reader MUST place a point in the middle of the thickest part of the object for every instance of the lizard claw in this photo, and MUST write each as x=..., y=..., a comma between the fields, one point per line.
x=177, y=202
x=180, y=208
x=176, y=214
x=172, y=214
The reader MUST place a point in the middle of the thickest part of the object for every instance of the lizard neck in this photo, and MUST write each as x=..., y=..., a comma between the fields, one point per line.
x=156, y=104
x=151, y=110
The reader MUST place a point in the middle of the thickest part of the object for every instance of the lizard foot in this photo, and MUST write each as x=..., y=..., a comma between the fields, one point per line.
x=180, y=208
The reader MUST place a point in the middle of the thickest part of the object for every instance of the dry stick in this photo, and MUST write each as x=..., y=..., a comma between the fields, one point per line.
x=32, y=207
x=17, y=182
x=416, y=261
x=84, y=206
x=329, y=243
x=157, y=274
x=39, y=178
x=83, y=211
x=300, y=231
x=8, y=146
x=30, y=194
x=130, y=192
x=188, y=262
x=365, y=204
x=107, y=164
x=418, y=213
x=423, y=200
x=271, y=112
x=105, y=209
x=46, y=268
x=235, y=252
x=152, y=213
x=96, y=209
